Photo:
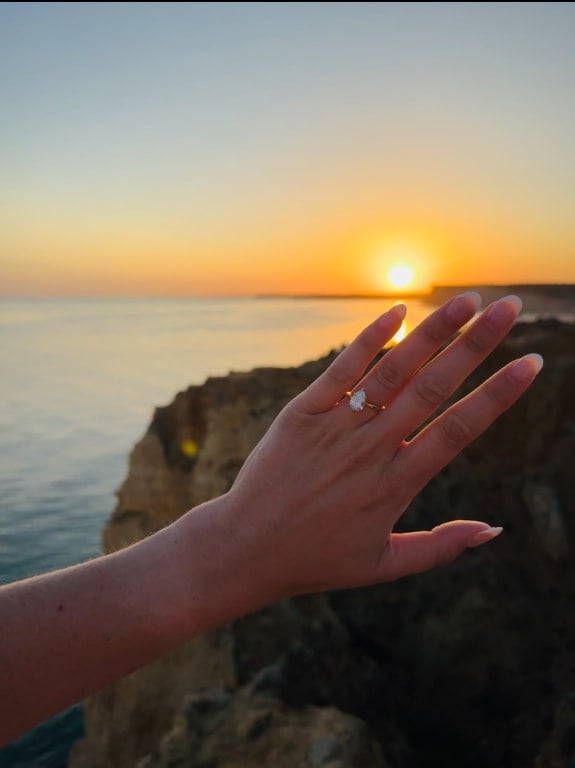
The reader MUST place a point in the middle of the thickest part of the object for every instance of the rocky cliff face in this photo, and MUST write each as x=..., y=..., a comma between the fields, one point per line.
x=468, y=665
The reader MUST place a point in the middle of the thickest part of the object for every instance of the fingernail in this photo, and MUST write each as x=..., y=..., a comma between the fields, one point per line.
x=400, y=309
x=483, y=536
x=527, y=367
x=515, y=300
x=500, y=310
x=463, y=307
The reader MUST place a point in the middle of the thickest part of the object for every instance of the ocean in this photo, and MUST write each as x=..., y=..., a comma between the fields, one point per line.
x=80, y=380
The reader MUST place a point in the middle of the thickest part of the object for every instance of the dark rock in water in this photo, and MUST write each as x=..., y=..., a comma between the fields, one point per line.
x=469, y=665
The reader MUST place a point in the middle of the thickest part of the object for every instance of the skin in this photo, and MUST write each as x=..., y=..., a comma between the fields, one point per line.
x=312, y=509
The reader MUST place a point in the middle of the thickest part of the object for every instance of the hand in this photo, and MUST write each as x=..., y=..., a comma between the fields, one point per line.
x=314, y=506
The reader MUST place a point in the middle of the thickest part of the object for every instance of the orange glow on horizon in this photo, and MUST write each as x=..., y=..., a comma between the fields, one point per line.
x=58, y=258
x=400, y=266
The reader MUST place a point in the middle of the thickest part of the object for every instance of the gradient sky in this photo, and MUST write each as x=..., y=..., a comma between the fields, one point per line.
x=232, y=148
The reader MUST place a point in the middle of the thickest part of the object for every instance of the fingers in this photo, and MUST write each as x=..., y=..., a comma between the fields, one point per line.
x=437, y=444
x=434, y=383
x=408, y=553
x=350, y=364
x=398, y=365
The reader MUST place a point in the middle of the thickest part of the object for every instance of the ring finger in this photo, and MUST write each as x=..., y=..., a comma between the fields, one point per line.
x=386, y=379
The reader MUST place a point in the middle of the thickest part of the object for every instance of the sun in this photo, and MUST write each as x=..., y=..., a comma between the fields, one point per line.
x=400, y=275
x=400, y=266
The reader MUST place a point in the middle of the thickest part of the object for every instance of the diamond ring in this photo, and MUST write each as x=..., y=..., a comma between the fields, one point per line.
x=358, y=401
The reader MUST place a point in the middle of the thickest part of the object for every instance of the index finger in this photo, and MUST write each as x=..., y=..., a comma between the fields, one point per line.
x=349, y=365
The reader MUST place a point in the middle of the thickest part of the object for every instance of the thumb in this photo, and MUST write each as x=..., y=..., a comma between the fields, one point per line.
x=408, y=553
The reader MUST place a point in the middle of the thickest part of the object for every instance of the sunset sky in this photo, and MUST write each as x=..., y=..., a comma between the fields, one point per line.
x=240, y=148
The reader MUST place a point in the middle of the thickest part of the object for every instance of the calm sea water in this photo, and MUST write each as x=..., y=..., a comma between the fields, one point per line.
x=80, y=379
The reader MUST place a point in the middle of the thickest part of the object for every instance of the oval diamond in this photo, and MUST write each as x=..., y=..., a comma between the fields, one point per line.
x=357, y=400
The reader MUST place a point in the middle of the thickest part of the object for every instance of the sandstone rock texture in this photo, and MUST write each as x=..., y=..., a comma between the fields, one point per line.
x=470, y=665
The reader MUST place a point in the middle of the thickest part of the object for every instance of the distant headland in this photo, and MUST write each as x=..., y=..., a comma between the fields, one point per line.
x=540, y=298
x=424, y=295
x=544, y=298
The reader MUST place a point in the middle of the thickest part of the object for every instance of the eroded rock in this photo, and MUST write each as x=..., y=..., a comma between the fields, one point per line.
x=249, y=729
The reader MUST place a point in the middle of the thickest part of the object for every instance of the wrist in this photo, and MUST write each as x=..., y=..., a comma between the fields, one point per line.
x=198, y=574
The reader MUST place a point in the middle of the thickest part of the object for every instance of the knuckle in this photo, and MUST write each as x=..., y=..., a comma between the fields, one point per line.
x=389, y=375
x=337, y=373
x=431, y=389
x=455, y=430
x=444, y=554
x=434, y=331
x=366, y=342
x=476, y=342
x=498, y=395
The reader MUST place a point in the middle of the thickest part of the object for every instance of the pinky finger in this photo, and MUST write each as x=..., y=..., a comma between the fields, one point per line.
x=440, y=442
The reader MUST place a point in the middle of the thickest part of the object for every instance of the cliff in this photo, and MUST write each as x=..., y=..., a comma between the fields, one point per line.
x=470, y=665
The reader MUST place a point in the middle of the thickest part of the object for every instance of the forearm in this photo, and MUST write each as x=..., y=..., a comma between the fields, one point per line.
x=69, y=633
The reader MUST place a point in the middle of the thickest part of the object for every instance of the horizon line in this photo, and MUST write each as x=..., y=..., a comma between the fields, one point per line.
x=277, y=295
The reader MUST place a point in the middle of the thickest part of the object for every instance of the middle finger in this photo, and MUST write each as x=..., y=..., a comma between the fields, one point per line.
x=437, y=380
